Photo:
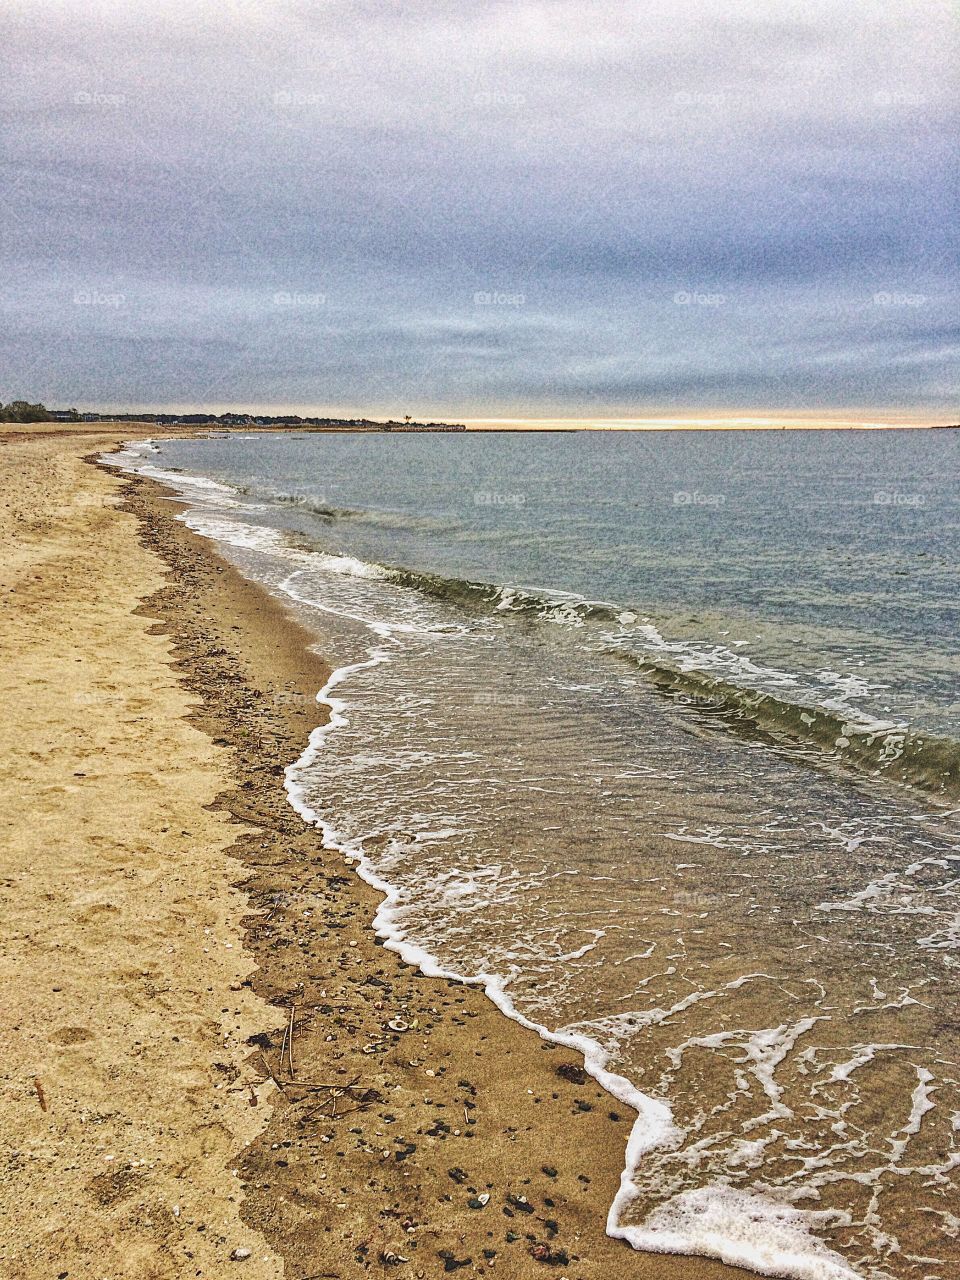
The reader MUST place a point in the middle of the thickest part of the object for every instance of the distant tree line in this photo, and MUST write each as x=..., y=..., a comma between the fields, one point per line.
x=24, y=411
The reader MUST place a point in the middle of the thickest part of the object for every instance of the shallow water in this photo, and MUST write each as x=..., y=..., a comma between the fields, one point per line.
x=822, y=564
x=759, y=944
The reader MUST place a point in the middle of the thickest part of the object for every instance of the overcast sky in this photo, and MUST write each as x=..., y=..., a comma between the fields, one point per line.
x=474, y=209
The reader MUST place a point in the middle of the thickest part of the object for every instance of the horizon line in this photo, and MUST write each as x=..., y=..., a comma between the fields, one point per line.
x=864, y=419
x=730, y=422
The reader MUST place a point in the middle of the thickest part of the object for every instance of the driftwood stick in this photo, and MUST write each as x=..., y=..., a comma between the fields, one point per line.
x=283, y=1045
x=320, y=1085
x=269, y=1073
x=293, y=1012
x=360, y=1107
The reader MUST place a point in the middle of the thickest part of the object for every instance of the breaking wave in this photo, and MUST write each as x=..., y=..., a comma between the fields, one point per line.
x=331, y=514
x=849, y=737
x=836, y=730
x=878, y=747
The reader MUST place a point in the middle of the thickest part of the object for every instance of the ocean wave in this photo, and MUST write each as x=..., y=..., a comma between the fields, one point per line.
x=890, y=749
x=881, y=748
x=302, y=503
x=563, y=608
x=859, y=742
x=331, y=514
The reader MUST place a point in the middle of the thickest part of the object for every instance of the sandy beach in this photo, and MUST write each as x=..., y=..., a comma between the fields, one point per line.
x=125, y=1004
x=199, y=1070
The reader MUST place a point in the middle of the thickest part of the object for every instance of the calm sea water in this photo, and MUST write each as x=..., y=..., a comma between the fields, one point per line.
x=621, y=725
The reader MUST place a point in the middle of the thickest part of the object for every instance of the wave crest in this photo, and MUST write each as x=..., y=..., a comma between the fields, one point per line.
x=881, y=748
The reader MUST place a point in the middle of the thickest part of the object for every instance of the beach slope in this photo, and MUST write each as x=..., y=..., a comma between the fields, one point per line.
x=167, y=919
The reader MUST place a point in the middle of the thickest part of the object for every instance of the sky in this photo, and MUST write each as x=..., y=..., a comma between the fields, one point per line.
x=470, y=209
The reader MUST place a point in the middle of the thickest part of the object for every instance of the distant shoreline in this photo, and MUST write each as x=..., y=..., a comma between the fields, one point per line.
x=26, y=413
x=201, y=424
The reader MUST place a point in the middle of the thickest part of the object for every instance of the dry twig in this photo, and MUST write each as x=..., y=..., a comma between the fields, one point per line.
x=293, y=1011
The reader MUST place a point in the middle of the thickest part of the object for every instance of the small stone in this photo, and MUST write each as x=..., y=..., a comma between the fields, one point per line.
x=520, y=1203
x=240, y=1255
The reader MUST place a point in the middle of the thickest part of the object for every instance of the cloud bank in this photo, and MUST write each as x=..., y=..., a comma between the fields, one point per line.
x=574, y=207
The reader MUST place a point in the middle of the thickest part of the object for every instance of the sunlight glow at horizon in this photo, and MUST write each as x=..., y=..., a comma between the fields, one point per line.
x=732, y=423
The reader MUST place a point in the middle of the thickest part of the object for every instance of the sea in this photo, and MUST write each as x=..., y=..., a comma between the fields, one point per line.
x=655, y=736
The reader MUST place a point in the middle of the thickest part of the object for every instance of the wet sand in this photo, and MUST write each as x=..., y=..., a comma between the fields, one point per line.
x=451, y=1141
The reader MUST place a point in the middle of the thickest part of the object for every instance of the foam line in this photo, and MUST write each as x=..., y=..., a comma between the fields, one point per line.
x=735, y=1227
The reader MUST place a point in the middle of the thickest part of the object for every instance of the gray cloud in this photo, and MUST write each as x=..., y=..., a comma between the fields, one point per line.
x=173, y=170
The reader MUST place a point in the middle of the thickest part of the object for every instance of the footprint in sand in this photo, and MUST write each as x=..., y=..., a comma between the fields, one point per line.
x=70, y=1035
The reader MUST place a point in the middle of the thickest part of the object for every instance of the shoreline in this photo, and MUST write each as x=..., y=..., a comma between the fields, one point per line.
x=160, y=1120
x=574, y=1197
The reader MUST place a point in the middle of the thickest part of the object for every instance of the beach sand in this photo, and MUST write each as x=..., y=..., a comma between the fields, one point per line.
x=166, y=915
x=124, y=1010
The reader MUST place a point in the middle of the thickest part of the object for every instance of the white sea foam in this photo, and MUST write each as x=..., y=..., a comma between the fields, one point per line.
x=187, y=482
x=742, y=1229
x=755, y=1231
